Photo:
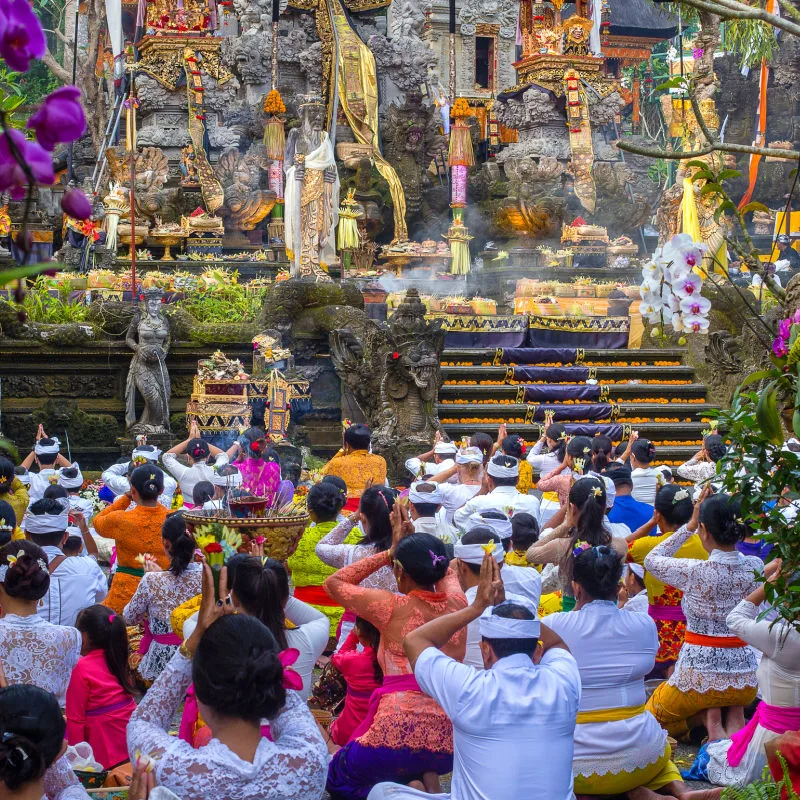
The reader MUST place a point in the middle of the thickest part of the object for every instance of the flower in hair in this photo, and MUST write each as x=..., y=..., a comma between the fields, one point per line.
x=681, y=494
x=436, y=559
x=580, y=546
x=112, y=617
x=254, y=446
x=42, y=563
x=12, y=560
x=587, y=450
x=3, y=480
x=152, y=476
x=579, y=464
x=563, y=436
x=488, y=547
x=597, y=491
x=291, y=680
x=739, y=521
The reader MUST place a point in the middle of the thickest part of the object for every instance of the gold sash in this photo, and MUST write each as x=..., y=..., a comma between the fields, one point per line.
x=609, y=714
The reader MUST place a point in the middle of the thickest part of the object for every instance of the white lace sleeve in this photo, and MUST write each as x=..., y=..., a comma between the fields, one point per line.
x=697, y=471
x=331, y=549
x=672, y=571
x=762, y=634
x=61, y=783
x=136, y=610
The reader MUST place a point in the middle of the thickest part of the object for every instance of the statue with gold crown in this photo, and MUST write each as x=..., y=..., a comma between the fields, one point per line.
x=312, y=194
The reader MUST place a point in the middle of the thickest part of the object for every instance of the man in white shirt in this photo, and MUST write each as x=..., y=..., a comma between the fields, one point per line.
x=46, y=454
x=513, y=723
x=440, y=458
x=116, y=476
x=76, y=582
x=424, y=504
x=468, y=474
x=523, y=581
x=499, y=492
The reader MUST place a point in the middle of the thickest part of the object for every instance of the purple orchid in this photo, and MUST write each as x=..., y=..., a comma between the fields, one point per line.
x=21, y=35
x=697, y=52
x=60, y=118
x=796, y=317
x=75, y=204
x=785, y=329
x=12, y=177
x=779, y=348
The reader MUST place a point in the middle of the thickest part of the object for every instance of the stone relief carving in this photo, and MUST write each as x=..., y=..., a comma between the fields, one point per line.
x=246, y=203
x=492, y=12
x=250, y=56
x=154, y=97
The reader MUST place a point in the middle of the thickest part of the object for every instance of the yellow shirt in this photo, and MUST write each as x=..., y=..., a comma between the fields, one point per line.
x=356, y=468
x=525, y=481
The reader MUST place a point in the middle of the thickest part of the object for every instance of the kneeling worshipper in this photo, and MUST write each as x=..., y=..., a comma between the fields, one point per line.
x=619, y=746
x=116, y=476
x=468, y=473
x=513, y=722
x=502, y=474
x=715, y=669
x=424, y=504
x=437, y=460
x=356, y=464
x=406, y=735
x=524, y=581
x=741, y=759
x=47, y=455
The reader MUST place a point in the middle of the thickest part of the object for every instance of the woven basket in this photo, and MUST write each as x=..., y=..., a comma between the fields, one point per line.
x=323, y=718
x=281, y=534
x=91, y=780
x=604, y=289
x=564, y=290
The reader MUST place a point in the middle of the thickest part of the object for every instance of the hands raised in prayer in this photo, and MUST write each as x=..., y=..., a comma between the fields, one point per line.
x=491, y=591
x=402, y=525
x=694, y=522
x=143, y=781
x=211, y=609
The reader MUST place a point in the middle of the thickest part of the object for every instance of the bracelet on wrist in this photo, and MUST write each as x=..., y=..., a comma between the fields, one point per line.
x=185, y=651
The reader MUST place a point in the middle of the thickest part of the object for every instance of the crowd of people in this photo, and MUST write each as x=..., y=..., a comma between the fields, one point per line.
x=552, y=618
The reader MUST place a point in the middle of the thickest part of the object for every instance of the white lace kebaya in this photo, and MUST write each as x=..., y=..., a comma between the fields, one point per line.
x=292, y=767
x=711, y=589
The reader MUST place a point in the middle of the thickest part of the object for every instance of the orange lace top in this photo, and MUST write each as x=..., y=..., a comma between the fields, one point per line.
x=404, y=719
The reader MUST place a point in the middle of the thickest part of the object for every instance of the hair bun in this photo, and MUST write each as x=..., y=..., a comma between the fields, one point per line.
x=261, y=682
x=20, y=761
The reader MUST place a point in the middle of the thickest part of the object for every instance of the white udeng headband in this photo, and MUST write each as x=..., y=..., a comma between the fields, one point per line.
x=474, y=553
x=47, y=449
x=71, y=483
x=47, y=523
x=469, y=455
x=502, y=527
x=445, y=448
x=415, y=496
x=499, y=471
x=232, y=481
x=494, y=627
x=148, y=455
x=637, y=570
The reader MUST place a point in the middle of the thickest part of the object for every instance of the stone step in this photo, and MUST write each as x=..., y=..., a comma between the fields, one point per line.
x=616, y=373
x=646, y=356
x=694, y=412
x=617, y=391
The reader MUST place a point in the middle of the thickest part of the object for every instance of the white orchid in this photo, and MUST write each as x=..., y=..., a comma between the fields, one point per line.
x=697, y=305
x=688, y=286
x=695, y=323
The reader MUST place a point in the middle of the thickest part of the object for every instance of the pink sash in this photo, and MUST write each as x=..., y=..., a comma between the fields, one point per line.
x=674, y=613
x=391, y=685
x=777, y=719
x=148, y=637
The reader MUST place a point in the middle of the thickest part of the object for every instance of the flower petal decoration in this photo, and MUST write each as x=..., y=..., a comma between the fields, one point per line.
x=688, y=286
x=21, y=35
x=291, y=680
x=696, y=305
x=12, y=177
x=779, y=348
x=60, y=118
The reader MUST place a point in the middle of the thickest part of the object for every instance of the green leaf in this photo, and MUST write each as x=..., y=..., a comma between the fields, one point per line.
x=8, y=446
x=728, y=174
x=697, y=164
x=17, y=273
x=767, y=416
x=711, y=188
x=678, y=82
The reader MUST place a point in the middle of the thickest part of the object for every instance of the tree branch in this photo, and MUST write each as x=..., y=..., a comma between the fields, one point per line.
x=50, y=62
x=731, y=9
x=727, y=147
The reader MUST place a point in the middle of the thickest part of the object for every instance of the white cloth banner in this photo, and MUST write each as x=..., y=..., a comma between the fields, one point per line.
x=114, y=20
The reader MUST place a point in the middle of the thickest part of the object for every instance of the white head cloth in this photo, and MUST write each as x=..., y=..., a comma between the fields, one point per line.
x=502, y=527
x=71, y=483
x=469, y=455
x=47, y=523
x=221, y=460
x=415, y=496
x=445, y=449
x=147, y=455
x=25, y=478
x=637, y=570
x=499, y=471
x=232, y=481
x=474, y=553
x=47, y=449
x=494, y=627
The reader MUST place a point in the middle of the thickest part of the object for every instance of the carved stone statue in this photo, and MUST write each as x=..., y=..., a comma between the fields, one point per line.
x=393, y=373
x=246, y=202
x=312, y=194
x=149, y=338
x=188, y=168
x=152, y=170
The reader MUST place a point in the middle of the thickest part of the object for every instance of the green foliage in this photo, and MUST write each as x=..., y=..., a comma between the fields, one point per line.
x=765, y=789
x=750, y=39
x=763, y=474
x=37, y=82
x=13, y=98
x=231, y=303
x=658, y=171
x=41, y=306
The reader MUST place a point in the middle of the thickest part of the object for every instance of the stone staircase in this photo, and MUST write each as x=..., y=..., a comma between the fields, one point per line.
x=651, y=391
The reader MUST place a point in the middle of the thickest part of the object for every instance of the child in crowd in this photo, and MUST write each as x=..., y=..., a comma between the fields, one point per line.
x=73, y=546
x=325, y=501
x=633, y=592
x=100, y=692
x=645, y=477
x=336, y=481
x=514, y=445
x=524, y=533
x=225, y=478
x=363, y=675
x=12, y=490
x=202, y=493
